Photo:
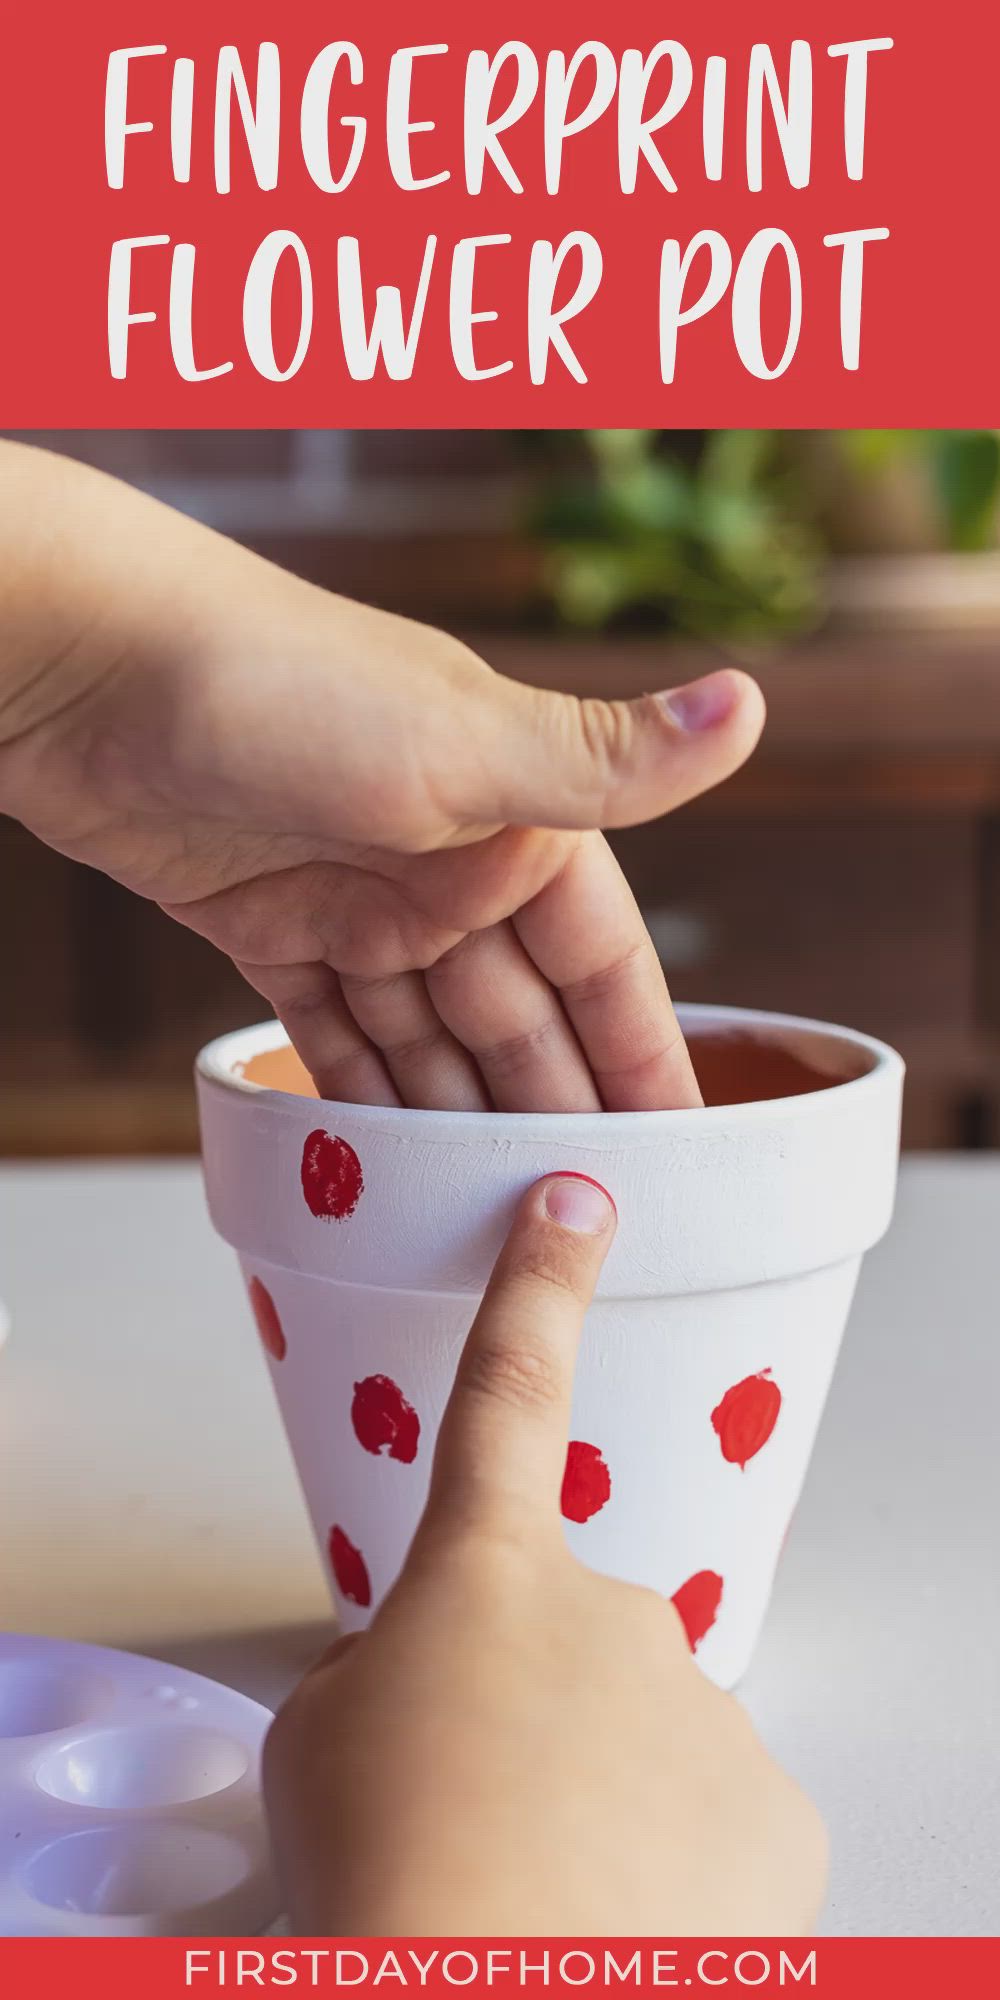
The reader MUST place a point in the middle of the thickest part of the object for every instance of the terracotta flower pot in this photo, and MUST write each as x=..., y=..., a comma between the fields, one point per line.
x=365, y=1236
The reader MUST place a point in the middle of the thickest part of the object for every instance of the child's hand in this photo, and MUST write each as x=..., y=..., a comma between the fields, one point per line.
x=398, y=847
x=517, y=1745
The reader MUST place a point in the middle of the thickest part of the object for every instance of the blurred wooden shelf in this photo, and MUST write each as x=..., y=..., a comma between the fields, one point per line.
x=113, y=1117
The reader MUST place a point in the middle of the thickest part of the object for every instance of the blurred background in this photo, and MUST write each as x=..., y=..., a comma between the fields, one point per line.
x=851, y=872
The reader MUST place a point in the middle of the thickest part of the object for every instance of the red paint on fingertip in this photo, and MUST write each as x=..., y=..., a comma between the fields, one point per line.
x=383, y=1419
x=349, y=1568
x=269, y=1325
x=697, y=1604
x=586, y=1486
x=568, y=1174
x=746, y=1417
x=331, y=1176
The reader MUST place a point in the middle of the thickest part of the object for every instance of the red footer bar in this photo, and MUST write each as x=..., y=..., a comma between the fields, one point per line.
x=842, y=1968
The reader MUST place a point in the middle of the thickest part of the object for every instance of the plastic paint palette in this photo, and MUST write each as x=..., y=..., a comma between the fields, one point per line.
x=129, y=1798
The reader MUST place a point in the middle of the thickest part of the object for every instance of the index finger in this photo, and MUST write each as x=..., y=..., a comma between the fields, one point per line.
x=586, y=934
x=501, y=1451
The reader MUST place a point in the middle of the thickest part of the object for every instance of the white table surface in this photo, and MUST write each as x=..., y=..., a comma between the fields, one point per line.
x=147, y=1500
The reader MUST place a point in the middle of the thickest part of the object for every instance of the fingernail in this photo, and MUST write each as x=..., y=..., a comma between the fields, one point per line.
x=578, y=1203
x=703, y=704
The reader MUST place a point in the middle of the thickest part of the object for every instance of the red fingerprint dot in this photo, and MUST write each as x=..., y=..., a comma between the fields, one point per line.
x=331, y=1176
x=586, y=1486
x=349, y=1568
x=269, y=1326
x=383, y=1419
x=746, y=1417
x=697, y=1602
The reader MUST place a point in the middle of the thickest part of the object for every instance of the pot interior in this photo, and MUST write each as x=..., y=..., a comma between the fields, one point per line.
x=732, y=1066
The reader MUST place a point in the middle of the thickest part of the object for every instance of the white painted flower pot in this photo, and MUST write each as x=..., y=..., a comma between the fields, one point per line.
x=366, y=1236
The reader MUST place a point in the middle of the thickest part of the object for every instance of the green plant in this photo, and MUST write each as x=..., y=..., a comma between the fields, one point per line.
x=962, y=469
x=708, y=542
x=720, y=533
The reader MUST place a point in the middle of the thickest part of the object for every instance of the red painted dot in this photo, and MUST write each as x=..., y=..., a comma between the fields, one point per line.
x=384, y=1420
x=746, y=1417
x=269, y=1326
x=586, y=1486
x=349, y=1568
x=697, y=1602
x=331, y=1176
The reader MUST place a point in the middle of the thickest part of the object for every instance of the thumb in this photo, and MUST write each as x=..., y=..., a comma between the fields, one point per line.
x=558, y=761
x=501, y=1451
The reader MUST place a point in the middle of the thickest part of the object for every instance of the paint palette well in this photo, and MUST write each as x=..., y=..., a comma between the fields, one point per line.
x=129, y=1797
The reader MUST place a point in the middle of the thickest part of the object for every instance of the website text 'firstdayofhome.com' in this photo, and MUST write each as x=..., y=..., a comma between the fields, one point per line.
x=527, y=1967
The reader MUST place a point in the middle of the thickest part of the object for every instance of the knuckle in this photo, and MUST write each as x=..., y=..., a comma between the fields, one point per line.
x=454, y=954
x=661, y=1619
x=612, y=1078
x=466, y=666
x=489, y=1562
x=597, y=735
x=608, y=980
x=550, y=1275
x=513, y=1054
x=407, y=1050
x=607, y=729
x=371, y=986
x=519, y=1377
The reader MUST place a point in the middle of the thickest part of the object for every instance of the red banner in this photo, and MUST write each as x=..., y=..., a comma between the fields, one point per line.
x=527, y=214
x=160, y=1969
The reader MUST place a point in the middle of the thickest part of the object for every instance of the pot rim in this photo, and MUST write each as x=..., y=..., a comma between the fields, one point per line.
x=216, y=1062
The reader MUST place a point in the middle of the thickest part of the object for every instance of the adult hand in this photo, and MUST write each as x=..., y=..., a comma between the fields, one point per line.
x=518, y=1746
x=398, y=847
